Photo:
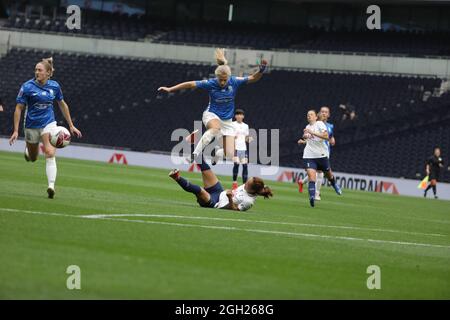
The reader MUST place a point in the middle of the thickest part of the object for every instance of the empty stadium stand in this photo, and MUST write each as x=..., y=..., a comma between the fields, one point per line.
x=238, y=35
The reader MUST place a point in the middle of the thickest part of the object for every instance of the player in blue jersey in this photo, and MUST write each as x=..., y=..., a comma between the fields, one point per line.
x=219, y=113
x=324, y=115
x=36, y=96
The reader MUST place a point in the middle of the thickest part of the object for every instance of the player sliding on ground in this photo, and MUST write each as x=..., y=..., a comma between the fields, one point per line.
x=36, y=96
x=316, y=154
x=212, y=195
x=219, y=113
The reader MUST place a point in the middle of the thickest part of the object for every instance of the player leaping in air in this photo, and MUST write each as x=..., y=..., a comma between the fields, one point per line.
x=316, y=154
x=219, y=113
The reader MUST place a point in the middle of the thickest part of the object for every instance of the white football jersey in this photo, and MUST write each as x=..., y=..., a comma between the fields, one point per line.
x=315, y=146
x=241, y=131
x=241, y=198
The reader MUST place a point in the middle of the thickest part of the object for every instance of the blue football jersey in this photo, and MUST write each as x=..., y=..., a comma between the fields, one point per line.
x=38, y=100
x=330, y=129
x=221, y=100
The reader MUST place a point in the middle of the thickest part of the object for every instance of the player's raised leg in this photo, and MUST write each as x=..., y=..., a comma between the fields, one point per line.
x=213, y=131
x=200, y=193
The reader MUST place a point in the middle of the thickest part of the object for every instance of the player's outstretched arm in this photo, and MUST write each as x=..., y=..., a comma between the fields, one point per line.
x=258, y=74
x=180, y=86
x=17, y=114
x=66, y=113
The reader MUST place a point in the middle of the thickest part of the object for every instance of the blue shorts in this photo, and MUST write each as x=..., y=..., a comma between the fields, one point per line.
x=322, y=164
x=214, y=193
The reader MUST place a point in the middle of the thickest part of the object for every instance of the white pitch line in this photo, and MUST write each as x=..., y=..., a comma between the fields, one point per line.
x=97, y=216
x=297, y=234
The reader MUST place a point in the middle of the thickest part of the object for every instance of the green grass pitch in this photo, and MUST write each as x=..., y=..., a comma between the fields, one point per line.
x=156, y=243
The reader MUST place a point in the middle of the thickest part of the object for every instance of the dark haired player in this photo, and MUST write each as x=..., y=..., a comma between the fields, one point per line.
x=242, y=137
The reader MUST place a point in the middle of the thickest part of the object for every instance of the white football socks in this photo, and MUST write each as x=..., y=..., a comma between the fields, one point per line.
x=319, y=180
x=50, y=168
x=206, y=139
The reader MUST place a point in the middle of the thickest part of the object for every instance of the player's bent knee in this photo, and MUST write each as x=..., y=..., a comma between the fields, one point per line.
x=214, y=131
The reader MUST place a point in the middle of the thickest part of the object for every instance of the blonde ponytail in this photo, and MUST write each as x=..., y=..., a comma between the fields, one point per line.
x=223, y=68
x=219, y=55
x=48, y=64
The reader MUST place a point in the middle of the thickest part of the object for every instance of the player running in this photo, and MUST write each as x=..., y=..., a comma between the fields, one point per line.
x=218, y=115
x=36, y=96
x=433, y=168
x=241, y=155
x=212, y=194
x=316, y=154
x=324, y=115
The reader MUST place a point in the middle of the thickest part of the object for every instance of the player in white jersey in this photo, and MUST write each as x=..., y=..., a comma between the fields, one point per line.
x=212, y=195
x=316, y=154
x=242, y=137
x=323, y=116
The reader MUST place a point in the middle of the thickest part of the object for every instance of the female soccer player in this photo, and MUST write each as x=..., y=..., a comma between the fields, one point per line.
x=212, y=195
x=316, y=154
x=433, y=168
x=323, y=115
x=218, y=115
x=37, y=96
x=241, y=155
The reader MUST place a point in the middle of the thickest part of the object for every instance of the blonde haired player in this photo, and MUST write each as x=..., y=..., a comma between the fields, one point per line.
x=36, y=96
x=241, y=155
x=218, y=115
x=315, y=154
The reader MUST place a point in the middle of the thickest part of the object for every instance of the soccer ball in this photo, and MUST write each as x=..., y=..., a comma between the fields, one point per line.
x=59, y=137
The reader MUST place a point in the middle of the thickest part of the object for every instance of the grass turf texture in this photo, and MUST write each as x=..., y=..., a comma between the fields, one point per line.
x=280, y=249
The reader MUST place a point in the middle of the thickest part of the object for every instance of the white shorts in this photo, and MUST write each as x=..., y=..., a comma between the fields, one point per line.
x=33, y=135
x=240, y=156
x=226, y=126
